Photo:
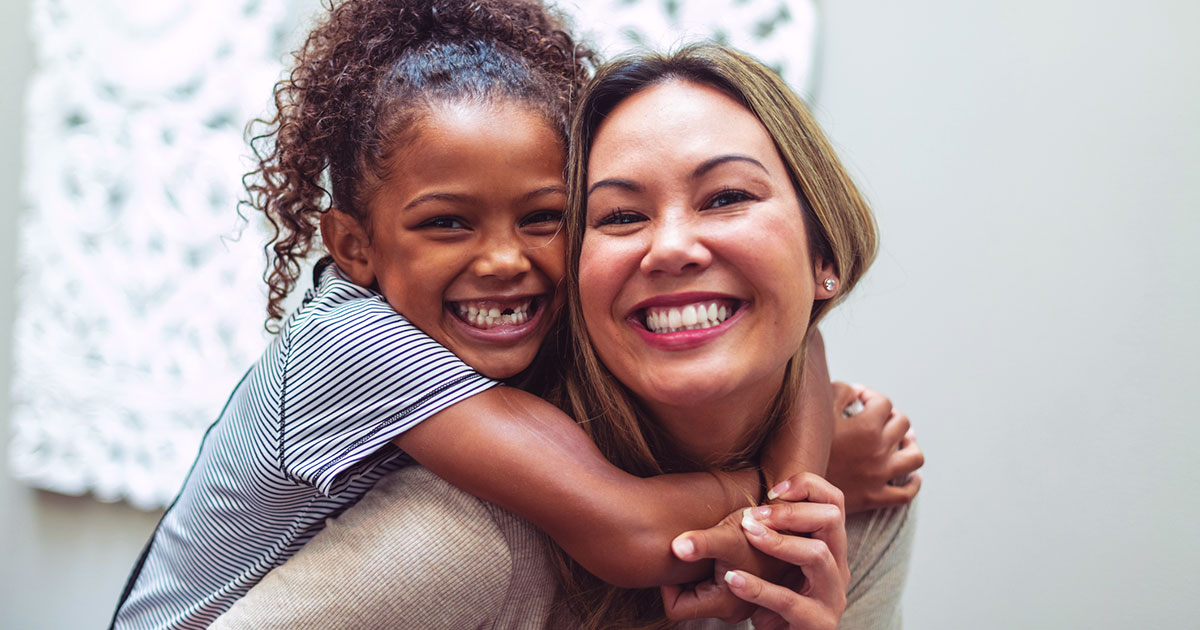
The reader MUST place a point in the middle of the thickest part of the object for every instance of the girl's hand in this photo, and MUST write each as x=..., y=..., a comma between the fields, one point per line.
x=809, y=533
x=726, y=544
x=875, y=455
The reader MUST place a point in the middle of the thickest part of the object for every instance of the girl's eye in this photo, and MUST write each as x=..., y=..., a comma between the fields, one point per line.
x=445, y=223
x=542, y=217
x=728, y=197
x=620, y=217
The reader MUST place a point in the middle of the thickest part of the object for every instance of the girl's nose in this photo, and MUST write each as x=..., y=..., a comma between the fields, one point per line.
x=674, y=247
x=503, y=259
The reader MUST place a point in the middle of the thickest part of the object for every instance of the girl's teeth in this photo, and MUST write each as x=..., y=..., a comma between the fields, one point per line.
x=489, y=316
x=690, y=317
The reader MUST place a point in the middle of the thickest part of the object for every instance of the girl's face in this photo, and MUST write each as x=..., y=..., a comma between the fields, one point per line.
x=465, y=232
x=695, y=278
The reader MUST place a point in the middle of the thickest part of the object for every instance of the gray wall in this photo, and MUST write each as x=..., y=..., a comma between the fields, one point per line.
x=1033, y=168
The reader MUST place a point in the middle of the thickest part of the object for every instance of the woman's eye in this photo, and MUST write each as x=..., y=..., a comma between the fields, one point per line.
x=728, y=197
x=542, y=217
x=620, y=217
x=445, y=223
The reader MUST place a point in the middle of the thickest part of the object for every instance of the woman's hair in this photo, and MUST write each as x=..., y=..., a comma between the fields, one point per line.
x=362, y=81
x=840, y=230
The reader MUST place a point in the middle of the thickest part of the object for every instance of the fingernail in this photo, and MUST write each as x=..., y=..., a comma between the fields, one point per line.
x=751, y=525
x=683, y=547
x=779, y=489
x=734, y=580
x=761, y=512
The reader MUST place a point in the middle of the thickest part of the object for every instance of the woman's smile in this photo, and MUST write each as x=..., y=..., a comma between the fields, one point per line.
x=684, y=321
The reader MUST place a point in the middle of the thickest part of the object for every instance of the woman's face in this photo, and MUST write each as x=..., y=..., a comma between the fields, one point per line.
x=695, y=279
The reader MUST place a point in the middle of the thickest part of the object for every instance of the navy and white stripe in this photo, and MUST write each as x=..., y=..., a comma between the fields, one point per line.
x=305, y=434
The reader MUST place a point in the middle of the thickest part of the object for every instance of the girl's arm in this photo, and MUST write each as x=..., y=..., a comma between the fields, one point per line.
x=875, y=455
x=522, y=453
x=518, y=451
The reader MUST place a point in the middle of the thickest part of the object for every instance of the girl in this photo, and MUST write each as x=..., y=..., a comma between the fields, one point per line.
x=426, y=140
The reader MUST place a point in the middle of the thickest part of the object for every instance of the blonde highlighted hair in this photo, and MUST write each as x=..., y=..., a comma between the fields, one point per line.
x=840, y=229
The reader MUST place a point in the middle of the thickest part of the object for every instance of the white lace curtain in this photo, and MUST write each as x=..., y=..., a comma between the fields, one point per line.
x=139, y=296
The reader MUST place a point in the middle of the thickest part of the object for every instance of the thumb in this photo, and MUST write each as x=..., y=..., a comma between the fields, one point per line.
x=718, y=542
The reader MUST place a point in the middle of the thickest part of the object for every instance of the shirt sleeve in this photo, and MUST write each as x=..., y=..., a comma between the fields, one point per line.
x=355, y=377
x=880, y=548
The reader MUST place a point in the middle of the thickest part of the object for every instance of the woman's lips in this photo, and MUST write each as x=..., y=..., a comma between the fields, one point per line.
x=682, y=322
x=694, y=316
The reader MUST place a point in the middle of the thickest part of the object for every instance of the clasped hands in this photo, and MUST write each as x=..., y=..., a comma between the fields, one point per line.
x=784, y=564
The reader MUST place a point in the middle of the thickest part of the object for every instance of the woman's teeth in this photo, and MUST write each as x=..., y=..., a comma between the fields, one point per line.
x=690, y=317
x=483, y=315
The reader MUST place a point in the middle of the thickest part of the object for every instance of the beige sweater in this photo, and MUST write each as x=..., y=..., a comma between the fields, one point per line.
x=418, y=553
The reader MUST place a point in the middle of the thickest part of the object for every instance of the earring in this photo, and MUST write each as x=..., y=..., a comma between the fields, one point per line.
x=830, y=284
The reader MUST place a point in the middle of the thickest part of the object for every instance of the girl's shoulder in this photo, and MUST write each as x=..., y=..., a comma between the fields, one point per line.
x=337, y=306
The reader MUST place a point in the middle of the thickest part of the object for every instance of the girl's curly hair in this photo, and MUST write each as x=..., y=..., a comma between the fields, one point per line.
x=364, y=77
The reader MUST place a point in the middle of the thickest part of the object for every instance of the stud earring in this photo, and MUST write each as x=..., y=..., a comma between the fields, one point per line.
x=830, y=284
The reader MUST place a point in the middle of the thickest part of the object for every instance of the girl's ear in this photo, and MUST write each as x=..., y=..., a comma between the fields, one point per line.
x=826, y=279
x=348, y=243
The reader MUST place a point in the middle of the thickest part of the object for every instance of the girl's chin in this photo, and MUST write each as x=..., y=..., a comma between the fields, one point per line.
x=499, y=368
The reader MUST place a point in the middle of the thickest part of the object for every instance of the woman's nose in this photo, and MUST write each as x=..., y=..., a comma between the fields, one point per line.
x=502, y=258
x=675, y=247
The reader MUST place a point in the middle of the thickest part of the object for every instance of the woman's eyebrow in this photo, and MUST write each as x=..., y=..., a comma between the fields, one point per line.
x=613, y=182
x=712, y=163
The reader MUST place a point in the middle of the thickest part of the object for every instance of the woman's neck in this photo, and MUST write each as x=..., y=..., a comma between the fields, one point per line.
x=711, y=431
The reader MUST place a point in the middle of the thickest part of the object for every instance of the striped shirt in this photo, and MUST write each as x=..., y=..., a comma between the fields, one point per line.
x=305, y=434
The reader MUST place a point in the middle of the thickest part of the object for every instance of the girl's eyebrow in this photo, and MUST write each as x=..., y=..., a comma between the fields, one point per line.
x=545, y=190
x=712, y=163
x=436, y=196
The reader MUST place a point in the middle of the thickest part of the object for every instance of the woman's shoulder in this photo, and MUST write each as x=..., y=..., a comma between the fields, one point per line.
x=413, y=539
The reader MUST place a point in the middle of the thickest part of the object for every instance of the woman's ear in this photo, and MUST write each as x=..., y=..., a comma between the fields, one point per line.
x=348, y=243
x=826, y=279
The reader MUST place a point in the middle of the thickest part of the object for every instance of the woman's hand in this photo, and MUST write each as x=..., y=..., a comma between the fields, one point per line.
x=807, y=591
x=875, y=455
x=813, y=593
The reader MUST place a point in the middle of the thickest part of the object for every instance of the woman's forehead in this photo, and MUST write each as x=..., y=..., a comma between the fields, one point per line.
x=677, y=120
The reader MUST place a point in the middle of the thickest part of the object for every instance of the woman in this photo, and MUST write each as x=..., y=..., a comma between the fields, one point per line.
x=701, y=184
x=711, y=228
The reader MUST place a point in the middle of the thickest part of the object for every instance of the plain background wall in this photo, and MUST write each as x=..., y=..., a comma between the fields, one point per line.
x=1033, y=167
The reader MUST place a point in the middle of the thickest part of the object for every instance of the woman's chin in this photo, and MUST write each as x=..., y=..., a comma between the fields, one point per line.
x=683, y=392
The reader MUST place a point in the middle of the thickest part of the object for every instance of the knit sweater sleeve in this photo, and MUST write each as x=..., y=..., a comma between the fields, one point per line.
x=414, y=552
x=880, y=548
